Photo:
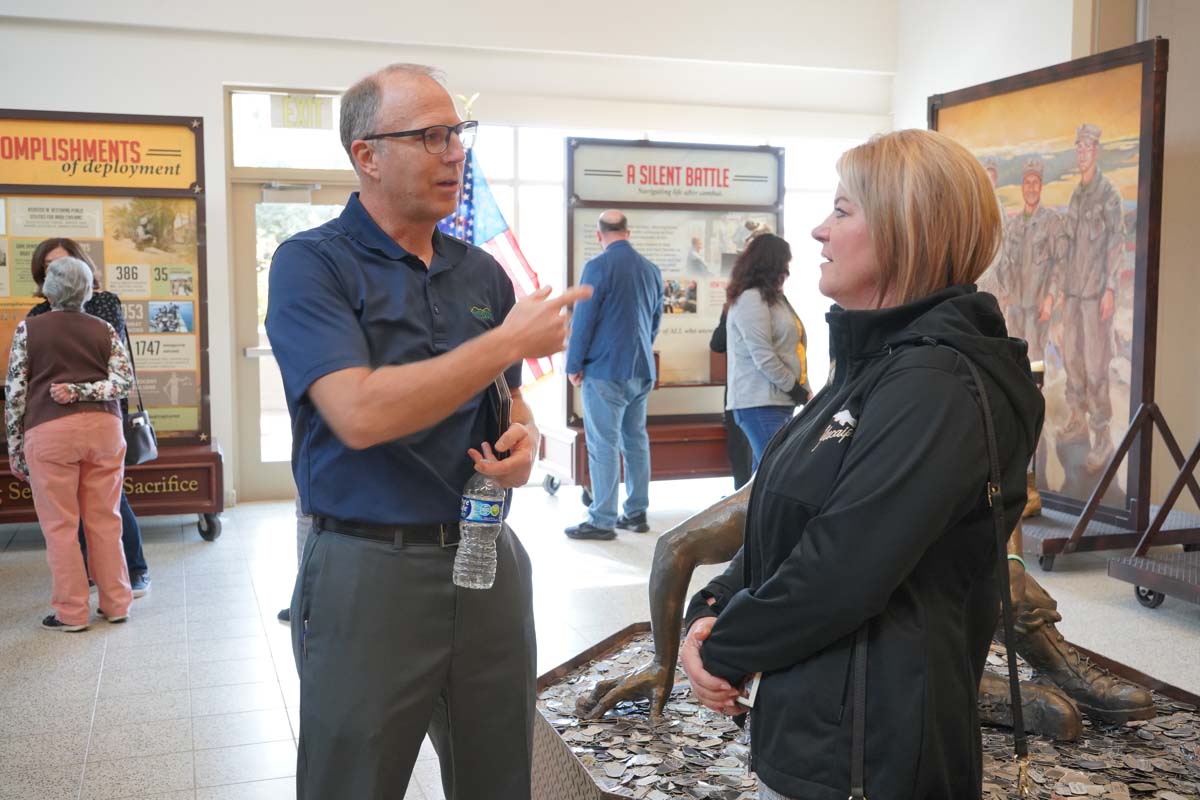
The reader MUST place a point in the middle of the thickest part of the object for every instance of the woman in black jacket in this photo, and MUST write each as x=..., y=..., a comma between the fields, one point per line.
x=869, y=515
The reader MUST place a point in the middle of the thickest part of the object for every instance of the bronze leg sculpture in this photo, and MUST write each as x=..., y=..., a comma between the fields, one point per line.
x=1064, y=680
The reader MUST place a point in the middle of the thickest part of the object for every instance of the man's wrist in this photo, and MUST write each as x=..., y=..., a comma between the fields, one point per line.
x=507, y=344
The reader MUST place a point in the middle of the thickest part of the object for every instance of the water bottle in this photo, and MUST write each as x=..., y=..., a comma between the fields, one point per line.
x=479, y=524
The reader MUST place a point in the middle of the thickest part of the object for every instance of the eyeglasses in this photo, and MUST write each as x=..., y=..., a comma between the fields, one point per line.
x=436, y=138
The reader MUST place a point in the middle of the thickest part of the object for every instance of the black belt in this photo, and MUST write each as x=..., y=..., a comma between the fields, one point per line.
x=444, y=535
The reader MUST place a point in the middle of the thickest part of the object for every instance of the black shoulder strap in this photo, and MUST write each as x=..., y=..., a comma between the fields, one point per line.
x=858, y=730
x=133, y=368
x=996, y=502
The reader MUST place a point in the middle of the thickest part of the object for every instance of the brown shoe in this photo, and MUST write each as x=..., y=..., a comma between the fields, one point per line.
x=1047, y=711
x=1096, y=691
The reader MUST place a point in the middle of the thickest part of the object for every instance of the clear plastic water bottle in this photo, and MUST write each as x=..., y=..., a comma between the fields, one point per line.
x=479, y=524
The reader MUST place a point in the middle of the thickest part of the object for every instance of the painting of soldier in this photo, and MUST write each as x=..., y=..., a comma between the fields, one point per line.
x=1064, y=157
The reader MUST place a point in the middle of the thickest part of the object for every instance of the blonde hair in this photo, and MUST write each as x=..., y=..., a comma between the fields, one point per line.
x=930, y=207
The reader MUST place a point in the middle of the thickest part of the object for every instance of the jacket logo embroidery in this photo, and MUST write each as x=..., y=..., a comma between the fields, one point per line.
x=482, y=312
x=840, y=428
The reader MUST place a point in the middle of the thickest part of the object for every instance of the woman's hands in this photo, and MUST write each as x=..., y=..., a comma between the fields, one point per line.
x=715, y=693
x=63, y=393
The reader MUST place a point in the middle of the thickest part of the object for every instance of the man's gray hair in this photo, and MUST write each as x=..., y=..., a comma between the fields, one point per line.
x=68, y=283
x=360, y=103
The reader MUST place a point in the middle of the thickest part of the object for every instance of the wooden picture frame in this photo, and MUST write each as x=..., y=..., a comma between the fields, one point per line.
x=1101, y=116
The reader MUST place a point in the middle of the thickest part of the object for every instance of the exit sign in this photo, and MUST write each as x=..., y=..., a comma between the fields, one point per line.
x=301, y=111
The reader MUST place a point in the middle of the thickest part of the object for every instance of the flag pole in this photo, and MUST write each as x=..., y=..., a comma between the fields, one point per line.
x=460, y=224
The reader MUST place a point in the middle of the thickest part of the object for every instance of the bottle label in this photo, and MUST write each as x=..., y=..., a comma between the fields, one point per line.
x=477, y=511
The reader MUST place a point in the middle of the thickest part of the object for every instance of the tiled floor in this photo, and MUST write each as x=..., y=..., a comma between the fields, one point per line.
x=195, y=697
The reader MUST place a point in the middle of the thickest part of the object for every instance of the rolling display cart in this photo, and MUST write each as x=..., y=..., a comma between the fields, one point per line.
x=1155, y=577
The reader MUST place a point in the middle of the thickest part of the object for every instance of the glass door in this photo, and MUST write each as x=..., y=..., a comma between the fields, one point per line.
x=264, y=215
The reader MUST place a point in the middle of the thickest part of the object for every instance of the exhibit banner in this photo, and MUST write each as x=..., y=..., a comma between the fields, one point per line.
x=691, y=209
x=688, y=174
x=84, y=153
x=142, y=230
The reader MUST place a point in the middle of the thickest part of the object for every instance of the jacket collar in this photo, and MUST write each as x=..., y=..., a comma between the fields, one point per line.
x=862, y=334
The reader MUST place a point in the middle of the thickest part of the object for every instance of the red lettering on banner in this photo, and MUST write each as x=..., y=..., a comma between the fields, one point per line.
x=659, y=175
x=716, y=177
x=61, y=148
x=630, y=173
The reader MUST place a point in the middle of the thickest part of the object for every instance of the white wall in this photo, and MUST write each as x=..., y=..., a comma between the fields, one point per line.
x=1177, y=388
x=126, y=68
x=850, y=34
x=949, y=44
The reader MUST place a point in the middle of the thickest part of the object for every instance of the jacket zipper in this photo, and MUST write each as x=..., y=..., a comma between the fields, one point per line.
x=846, y=683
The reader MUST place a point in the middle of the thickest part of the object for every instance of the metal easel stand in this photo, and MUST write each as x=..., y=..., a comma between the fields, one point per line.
x=1154, y=577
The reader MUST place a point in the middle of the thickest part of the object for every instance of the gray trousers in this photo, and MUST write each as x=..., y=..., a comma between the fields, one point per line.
x=388, y=649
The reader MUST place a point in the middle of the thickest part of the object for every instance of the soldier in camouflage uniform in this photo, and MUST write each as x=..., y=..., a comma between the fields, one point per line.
x=992, y=280
x=1034, y=247
x=1095, y=234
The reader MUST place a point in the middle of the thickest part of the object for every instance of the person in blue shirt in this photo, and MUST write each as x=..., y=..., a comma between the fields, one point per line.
x=388, y=335
x=610, y=356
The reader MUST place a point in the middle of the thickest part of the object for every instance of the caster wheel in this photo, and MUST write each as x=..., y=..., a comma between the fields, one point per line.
x=551, y=484
x=1046, y=563
x=586, y=497
x=209, y=526
x=1148, y=597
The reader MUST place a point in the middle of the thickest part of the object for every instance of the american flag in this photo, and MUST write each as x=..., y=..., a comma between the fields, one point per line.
x=478, y=221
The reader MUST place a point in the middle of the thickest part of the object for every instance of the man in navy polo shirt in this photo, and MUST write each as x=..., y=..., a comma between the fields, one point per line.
x=388, y=335
x=611, y=357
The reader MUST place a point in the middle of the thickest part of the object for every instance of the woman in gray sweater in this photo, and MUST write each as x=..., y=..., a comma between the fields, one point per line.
x=767, y=370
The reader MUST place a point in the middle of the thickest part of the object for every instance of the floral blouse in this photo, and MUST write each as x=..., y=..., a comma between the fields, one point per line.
x=120, y=378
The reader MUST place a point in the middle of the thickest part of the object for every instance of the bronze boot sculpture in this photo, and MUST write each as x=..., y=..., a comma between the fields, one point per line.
x=714, y=536
x=1055, y=662
x=1048, y=712
x=1033, y=498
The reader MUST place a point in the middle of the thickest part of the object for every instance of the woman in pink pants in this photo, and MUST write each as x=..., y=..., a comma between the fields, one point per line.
x=66, y=372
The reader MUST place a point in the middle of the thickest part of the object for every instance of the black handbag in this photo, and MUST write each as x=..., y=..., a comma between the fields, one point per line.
x=141, y=443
